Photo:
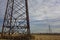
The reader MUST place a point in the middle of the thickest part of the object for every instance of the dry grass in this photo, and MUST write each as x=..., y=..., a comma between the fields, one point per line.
x=46, y=37
x=43, y=37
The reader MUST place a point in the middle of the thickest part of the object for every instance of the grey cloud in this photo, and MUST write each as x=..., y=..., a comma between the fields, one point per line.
x=2, y=8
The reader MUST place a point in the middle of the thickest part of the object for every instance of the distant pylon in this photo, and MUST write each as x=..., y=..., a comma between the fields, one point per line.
x=50, y=30
x=16, y=19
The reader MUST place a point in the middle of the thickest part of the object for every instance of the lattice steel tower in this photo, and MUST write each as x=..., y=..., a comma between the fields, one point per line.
x=16, y=19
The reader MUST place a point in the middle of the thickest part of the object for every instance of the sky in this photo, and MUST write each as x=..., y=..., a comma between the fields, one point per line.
x=42, y=13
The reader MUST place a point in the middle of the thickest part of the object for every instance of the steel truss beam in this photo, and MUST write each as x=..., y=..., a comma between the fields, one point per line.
x=16, y=19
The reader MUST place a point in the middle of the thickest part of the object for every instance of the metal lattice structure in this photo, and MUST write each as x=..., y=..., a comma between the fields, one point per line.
x=16, y=19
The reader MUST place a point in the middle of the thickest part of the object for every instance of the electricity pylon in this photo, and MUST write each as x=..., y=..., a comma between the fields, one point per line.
x=16, y=19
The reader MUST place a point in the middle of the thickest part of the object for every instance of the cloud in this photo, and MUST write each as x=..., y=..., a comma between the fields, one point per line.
x=48, y=8
x=2, y=8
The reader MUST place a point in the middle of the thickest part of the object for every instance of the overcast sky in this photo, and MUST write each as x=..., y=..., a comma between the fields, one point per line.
x=42, y=14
